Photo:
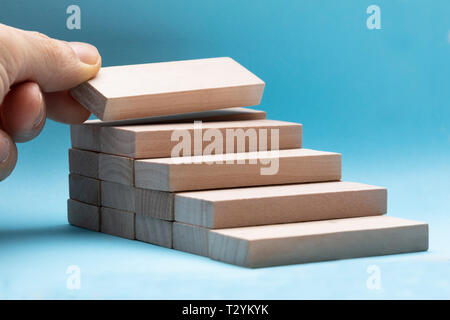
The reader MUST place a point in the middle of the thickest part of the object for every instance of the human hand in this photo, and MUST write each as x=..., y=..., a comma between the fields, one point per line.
x=36, y=73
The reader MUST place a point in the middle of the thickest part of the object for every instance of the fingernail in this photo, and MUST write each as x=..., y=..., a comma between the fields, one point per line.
x=39, y=119
x=4, y=150
x=41, y=114
x=86, y=53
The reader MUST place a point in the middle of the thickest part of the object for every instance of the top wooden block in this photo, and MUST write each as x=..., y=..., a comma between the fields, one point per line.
x=155, y=89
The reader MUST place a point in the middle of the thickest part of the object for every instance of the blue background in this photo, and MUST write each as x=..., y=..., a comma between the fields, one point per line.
x=380, y=97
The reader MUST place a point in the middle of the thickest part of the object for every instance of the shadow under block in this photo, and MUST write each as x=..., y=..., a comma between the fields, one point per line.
x=116, y=169
x=189, y=238
x=84, y=163
x=317, y=241
x=228, y=114
x=118, y=223
x=154, y=89
x=158, y=140
x=228, y=208
x=244, y=169
x=118, y=196
x=84, y=189
x=154, y=231
x=83, y=215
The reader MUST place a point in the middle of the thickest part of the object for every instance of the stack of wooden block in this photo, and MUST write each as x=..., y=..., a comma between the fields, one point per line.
x=125, y=181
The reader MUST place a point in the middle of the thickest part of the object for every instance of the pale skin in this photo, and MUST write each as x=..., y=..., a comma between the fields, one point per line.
x=36, y=73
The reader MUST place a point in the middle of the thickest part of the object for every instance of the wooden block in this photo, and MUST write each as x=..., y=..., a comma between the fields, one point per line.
x=83, y=215
x=116, y=169
x=227, y=208
x=86, y=137
x=317, y=241
x=118, y=196
x=155, y=231
x=118, y=223
x=84, y=189
x=154, y=89
x=245, y=169
x=189, y=238
x=83, y=163
x=153, y=203
x=145, y=202
x=158, y=140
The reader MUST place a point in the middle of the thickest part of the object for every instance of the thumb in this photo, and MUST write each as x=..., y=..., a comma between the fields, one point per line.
x=55, y=65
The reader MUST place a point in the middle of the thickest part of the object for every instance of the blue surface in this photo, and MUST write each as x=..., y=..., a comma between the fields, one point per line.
x=380, y=97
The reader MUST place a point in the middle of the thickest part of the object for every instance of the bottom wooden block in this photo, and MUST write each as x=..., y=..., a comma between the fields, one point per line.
x=83, y=215
x=189, y=238
x=154, y=231
x=317, y=241
x=118, y=223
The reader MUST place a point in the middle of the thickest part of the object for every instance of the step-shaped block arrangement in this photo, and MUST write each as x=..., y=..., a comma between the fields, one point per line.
x=164, y=168
x=155, y=89
x=118, y=190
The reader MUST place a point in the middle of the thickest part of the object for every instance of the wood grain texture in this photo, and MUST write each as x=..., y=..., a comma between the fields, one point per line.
x=145, y=202
x=116, y=169
x=155, y=141
x=84, y=189
x=118, y=196
x=85, y=137
x=154, y=231
x=154, y=89
x=317, y=241
x=118, y=223
x=227, y=208
x=189, y=238
x=83, y=215
x=153, y=203
x=84, y=163
x=213, y=172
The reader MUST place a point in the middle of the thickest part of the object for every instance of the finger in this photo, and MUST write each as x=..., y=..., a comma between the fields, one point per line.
x=55, y=65
x=8, y=155
x=63, y=108
x=22, y=113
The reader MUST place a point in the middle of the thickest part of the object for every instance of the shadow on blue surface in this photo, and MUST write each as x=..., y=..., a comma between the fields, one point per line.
x=35, y=261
